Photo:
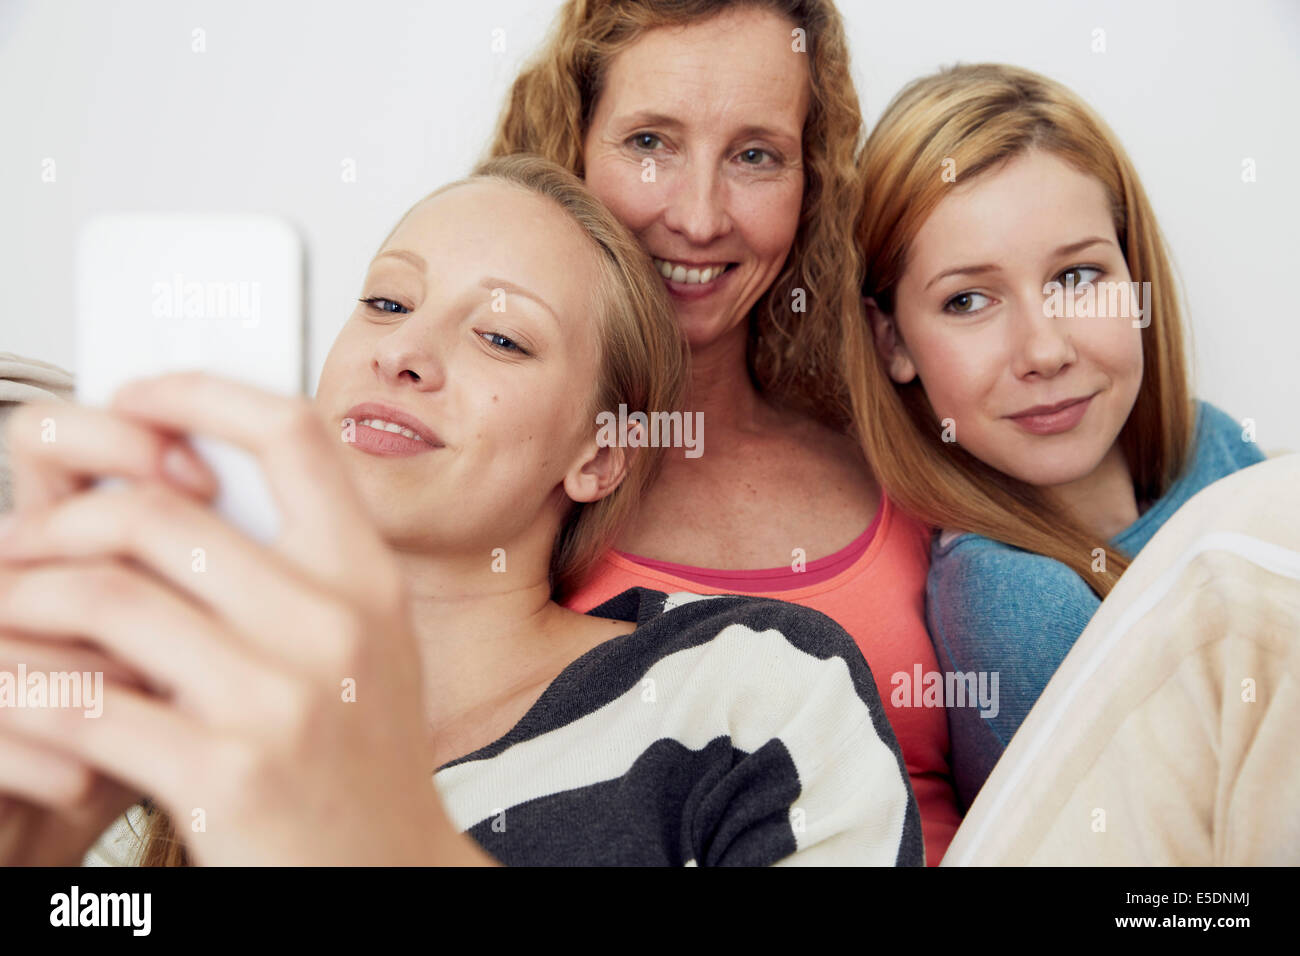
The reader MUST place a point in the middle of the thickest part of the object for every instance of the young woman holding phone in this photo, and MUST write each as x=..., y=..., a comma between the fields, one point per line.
x=289, y=704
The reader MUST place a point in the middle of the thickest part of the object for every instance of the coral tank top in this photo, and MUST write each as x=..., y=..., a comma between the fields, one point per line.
x=875, y=589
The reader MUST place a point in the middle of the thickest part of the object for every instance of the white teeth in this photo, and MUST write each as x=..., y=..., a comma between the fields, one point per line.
x=690, y=275
x=383, y=426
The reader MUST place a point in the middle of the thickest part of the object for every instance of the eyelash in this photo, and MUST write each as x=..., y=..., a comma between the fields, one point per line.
x=514, y=346
x=776, y=159
x=947, y=306
x=375, y=299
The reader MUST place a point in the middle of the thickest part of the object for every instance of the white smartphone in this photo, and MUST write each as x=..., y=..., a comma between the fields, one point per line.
x=222, y=293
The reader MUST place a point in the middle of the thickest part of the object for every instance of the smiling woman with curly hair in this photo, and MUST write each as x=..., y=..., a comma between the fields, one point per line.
x=725, y=135
x=792, y=353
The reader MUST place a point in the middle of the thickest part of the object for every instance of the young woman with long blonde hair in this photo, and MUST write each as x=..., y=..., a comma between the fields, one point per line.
x=1021, y=385
x=391, y=680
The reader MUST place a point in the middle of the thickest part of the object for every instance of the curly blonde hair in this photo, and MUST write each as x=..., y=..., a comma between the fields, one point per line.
x=793, y=357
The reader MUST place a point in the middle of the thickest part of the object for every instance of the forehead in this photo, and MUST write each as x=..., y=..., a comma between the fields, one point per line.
x=495, y=228
x=739, y=62
x=488, y=214
x=1032, y=201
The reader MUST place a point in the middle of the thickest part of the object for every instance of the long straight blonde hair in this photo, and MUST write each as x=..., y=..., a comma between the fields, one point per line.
x=978, y=116
x=643, y=366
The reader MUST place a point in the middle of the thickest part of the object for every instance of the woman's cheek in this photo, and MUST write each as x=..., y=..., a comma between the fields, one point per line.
x=773, y=220
x=514, y=421
x=953, y=373
x=1135, y=352
x=631, y=201
x=347, y=354
x=1123, y=351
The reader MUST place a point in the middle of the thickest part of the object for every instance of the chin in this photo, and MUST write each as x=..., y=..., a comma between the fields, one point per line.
x=1045, y=469
x=700, y=336
x=1050, y=477
x=377, y=496
x=704, y=330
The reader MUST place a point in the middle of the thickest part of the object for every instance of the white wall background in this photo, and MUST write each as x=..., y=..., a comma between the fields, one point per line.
x=263, y=120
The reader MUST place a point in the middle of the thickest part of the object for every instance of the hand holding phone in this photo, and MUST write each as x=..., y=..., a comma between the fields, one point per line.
x=218, y=293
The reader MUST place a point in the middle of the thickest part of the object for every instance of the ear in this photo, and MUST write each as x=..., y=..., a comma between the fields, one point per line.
x=889, y=343
x=598, y=470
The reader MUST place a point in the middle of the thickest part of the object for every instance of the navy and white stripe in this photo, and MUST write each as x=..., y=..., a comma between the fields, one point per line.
x=725, y=730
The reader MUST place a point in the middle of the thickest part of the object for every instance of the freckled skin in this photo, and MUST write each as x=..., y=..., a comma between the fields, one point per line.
x=714, y=201
x=705, y=203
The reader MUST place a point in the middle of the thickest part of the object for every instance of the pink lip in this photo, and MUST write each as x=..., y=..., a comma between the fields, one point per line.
x=1053, y=419
x=386, y=443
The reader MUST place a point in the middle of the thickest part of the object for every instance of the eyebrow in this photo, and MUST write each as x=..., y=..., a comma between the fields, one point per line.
x=1065, y=250
x=486, y=282
x=411, y=257
x=493, y=282
x=653, y=118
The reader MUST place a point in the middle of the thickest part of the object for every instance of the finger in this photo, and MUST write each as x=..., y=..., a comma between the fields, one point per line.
x=56, y=448
x=68, y=656
x=327, y=528
x=41, y=775
x=252, y=589
x=177, y=646
x=139, y=741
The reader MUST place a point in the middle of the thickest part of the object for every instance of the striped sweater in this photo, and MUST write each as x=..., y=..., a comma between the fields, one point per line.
x=724, y=731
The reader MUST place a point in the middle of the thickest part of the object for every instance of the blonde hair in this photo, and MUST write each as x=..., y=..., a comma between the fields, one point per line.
x=792, y=356
x=978, y=116
x=643, y=365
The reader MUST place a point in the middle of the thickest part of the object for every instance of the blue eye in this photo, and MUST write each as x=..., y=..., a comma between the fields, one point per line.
x=497, y=340
x=380, y=305
x=963, y=303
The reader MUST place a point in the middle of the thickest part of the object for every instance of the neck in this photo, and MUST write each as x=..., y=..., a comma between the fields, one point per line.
x=721, y=387
x=1103, y=500
x=481, y=633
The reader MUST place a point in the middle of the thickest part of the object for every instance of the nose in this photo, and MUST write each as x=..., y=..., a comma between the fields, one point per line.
x=1042, y=342
x=409, y=355
x=697, y=208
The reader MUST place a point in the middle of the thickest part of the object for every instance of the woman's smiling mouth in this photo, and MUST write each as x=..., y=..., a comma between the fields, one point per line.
x=690, y=273
x=373, y=437
x=382, y=425
x=1053, y=419
x=692, y=280
x=388, y=431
